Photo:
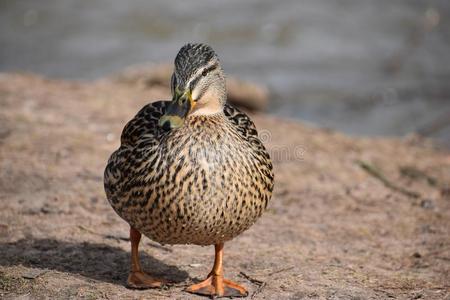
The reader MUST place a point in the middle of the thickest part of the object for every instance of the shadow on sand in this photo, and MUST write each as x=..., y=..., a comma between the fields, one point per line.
x=97, y=261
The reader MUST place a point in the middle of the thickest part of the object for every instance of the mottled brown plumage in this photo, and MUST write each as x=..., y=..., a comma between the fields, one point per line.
x=190, y=171
x=203, y=183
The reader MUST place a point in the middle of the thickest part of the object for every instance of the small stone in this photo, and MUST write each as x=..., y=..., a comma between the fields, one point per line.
x=34, y=273
x=195, y=265
x=427, y=204
x=417, y=255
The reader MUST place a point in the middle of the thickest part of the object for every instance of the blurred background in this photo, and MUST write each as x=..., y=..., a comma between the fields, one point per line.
x=364, y=67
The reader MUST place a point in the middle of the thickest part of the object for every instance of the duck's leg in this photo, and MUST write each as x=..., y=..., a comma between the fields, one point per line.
x=215, y=284
x=137, y=278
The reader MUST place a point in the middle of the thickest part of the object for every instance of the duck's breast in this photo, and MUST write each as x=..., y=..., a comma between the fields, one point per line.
x=207, y=190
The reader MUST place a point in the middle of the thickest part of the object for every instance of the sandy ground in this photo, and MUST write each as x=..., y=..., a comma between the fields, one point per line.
x=351, y=218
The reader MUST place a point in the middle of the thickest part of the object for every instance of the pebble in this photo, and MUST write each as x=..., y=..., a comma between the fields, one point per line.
x=195, y=265
x=34, y=273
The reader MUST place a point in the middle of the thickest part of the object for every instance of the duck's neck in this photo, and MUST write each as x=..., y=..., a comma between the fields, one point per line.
x=211, y=103
x=206, y=121
x=208, y=110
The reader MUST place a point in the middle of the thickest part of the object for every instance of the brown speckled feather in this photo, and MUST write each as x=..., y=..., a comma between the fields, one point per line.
x=203, y=183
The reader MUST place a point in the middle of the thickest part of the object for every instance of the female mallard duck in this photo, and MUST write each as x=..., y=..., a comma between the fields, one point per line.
x=190, y=171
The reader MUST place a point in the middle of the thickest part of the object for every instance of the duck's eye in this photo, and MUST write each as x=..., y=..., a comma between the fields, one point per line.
x=204, y=73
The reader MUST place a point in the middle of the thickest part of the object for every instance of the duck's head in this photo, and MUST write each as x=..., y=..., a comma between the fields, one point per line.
x=198, y=85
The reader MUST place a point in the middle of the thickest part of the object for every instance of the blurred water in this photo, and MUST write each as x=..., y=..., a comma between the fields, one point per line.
x=369, y=67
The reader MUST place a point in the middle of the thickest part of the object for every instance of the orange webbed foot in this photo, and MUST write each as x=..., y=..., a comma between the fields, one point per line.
x=141, y=280
x=217, y=286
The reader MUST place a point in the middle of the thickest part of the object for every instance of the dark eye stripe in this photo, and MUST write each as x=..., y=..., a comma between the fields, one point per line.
x=207, y=70
x=211, y=68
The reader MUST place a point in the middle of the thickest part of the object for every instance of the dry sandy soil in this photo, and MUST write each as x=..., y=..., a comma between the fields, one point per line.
x=351, y=218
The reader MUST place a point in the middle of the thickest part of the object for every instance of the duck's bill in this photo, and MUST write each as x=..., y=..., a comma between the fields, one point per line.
x=176, y=111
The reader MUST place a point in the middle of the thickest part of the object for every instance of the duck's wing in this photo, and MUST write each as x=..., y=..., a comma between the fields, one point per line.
x=247, y=129
x=245, y=126
x=140, y=138
x=144, y=125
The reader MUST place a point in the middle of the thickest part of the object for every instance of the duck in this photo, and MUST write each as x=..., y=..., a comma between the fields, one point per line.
x=191, y=170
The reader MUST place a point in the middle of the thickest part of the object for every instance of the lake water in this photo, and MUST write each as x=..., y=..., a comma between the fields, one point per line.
x=365, y=67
